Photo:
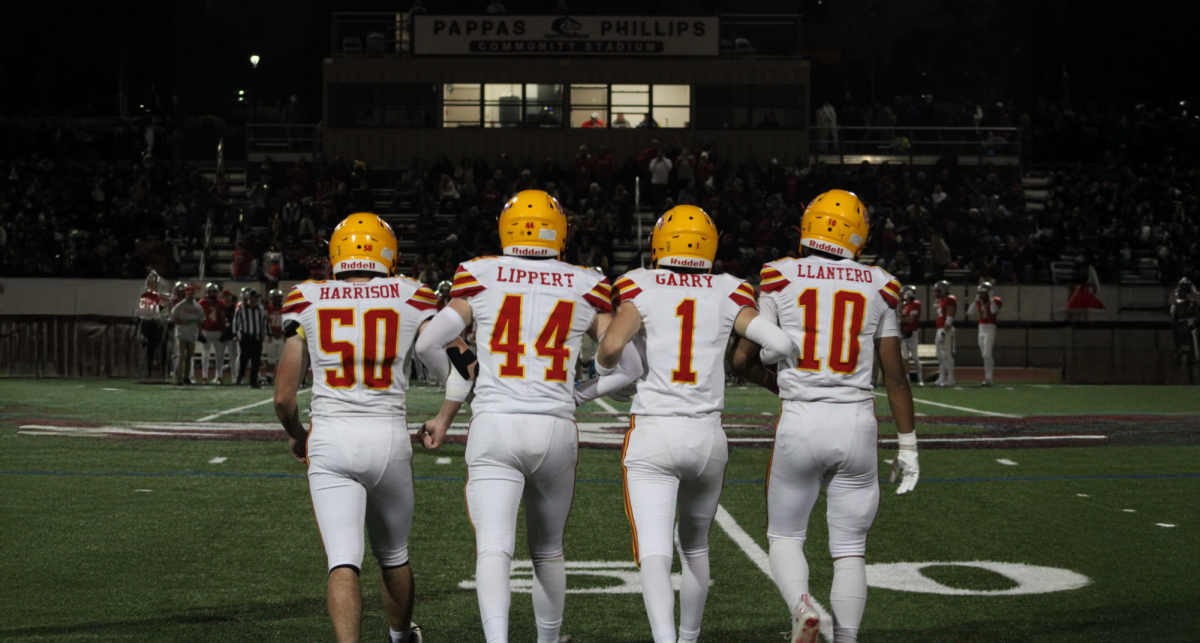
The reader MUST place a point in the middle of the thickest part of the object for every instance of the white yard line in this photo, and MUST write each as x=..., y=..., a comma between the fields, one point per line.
x=958, y=408
x=763, y=561
x=243, y=408
x=609, y=408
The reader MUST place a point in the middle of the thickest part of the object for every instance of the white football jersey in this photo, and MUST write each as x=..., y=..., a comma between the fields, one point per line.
x=530, y=318
x=360, y=339
x=686, y=322
x=833, y=310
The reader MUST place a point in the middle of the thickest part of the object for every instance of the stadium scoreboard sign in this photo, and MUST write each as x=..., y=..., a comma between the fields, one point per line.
x=504, y=35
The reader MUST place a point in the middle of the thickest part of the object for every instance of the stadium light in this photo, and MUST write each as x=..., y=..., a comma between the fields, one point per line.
x=241, y=92
x=254, y=60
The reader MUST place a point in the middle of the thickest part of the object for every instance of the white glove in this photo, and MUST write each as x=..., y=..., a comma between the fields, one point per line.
x=906, y=465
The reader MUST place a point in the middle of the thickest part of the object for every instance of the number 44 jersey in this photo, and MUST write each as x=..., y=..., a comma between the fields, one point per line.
x=530, y=316
x=686, y=322
x=360, y=338
x=833, y=310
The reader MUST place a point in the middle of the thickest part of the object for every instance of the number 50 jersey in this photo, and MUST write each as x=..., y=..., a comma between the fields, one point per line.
x=833, y=310
x=686, y=322
x=360, y=338
x=530, y=317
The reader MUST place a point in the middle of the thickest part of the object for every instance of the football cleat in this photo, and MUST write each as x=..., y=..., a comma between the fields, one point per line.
x=985, y=383
x=806, y=622
x=414, y=634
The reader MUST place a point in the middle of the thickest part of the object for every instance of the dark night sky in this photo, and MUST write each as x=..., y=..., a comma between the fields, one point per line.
x=66, y=57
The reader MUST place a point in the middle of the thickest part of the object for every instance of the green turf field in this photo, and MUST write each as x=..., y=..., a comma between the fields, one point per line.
x=121, y=522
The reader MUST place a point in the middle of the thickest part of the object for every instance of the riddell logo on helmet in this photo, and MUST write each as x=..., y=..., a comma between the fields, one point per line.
x=358, y=265
x=680, y=262
x=825, y=247
x=534, y=252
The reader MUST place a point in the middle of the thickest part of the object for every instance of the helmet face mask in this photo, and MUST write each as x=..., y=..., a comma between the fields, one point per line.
x=908, y=293
x=363, y=242
x=533, y=224
x=684, y=237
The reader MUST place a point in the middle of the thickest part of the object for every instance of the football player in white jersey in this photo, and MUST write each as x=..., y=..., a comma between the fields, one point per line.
x=840, y=313
x=675, y=451
x=531, y=311
x=358, y=331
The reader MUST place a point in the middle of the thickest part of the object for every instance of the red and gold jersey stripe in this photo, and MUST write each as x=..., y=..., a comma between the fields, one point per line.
x=600, y=297
x=295, y=303
x=743, y=295
x=891, y=292
x=626, y=290
x=465, y=284
x=423, y=299
x=771, y=280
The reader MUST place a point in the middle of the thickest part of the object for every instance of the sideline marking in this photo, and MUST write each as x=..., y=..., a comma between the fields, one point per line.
x=763, y=561
x=1164, y=524
x=214, y=416
x=217, y=460
x=1130, y=511
x=957, y=408
x=1006, y=461
x=143, y=491
x=442, y=461
x=1083, y=495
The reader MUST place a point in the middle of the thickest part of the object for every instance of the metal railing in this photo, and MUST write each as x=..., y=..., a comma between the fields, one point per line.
x=277, y=138
x=910, y=143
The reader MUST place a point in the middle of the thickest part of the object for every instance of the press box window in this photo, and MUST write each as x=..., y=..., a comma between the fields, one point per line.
x=619, y=106
x=382, y=105
x=502, y=105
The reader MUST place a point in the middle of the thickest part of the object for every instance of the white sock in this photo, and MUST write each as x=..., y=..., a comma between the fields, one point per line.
x=789, y=569
x=989, y=367
x=549, y=593
x=492, y=571
x=848, y=597
x=399, y=637
x=659, y=596
x=692, y=595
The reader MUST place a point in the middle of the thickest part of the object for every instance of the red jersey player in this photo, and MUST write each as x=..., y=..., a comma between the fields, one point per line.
x=986, y=306
x=910, y=329
x=947, y=308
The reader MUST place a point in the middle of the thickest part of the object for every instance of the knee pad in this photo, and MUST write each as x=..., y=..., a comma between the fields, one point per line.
x=845, y=541
x=495, y=541
x=353, y=568
x=800, y=537
x=697, y=552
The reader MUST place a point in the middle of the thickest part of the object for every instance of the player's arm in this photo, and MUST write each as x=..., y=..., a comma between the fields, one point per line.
x=293, y=366
x=776, y=345
x=973, y=309
x=900, y=400
x=951, y=311
x=617, y=336
x=440, y=345
x=629, y=369
x=995, y=304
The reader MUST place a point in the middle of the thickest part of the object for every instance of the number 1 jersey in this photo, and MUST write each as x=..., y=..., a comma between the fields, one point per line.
x=833, y=310
x=530, y=317
x=360, y=338
x=686, y=322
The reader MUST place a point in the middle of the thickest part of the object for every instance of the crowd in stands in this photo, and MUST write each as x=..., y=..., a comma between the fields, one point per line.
x=1133, y=198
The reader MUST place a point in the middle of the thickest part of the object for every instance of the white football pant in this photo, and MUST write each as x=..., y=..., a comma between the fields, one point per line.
x=511, y=457
x=945, y=357
x=673, y=462
x=987, y=345
x=360, y=472
x=909, y=351
x=816, y=442
x=214, y=347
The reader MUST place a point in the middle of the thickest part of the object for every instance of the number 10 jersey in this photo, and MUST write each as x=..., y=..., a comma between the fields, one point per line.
x=833, y=310
x=360, y=338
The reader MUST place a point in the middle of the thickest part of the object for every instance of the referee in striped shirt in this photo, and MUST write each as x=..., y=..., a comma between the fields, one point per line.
x=250, y=325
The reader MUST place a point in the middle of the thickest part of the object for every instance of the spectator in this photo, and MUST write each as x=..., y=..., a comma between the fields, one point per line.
x=242, y=264
x=660, y=177
x=594, y=121
x=826, y=127
x=620, y=123
x=647, y=122
x=496, y=8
